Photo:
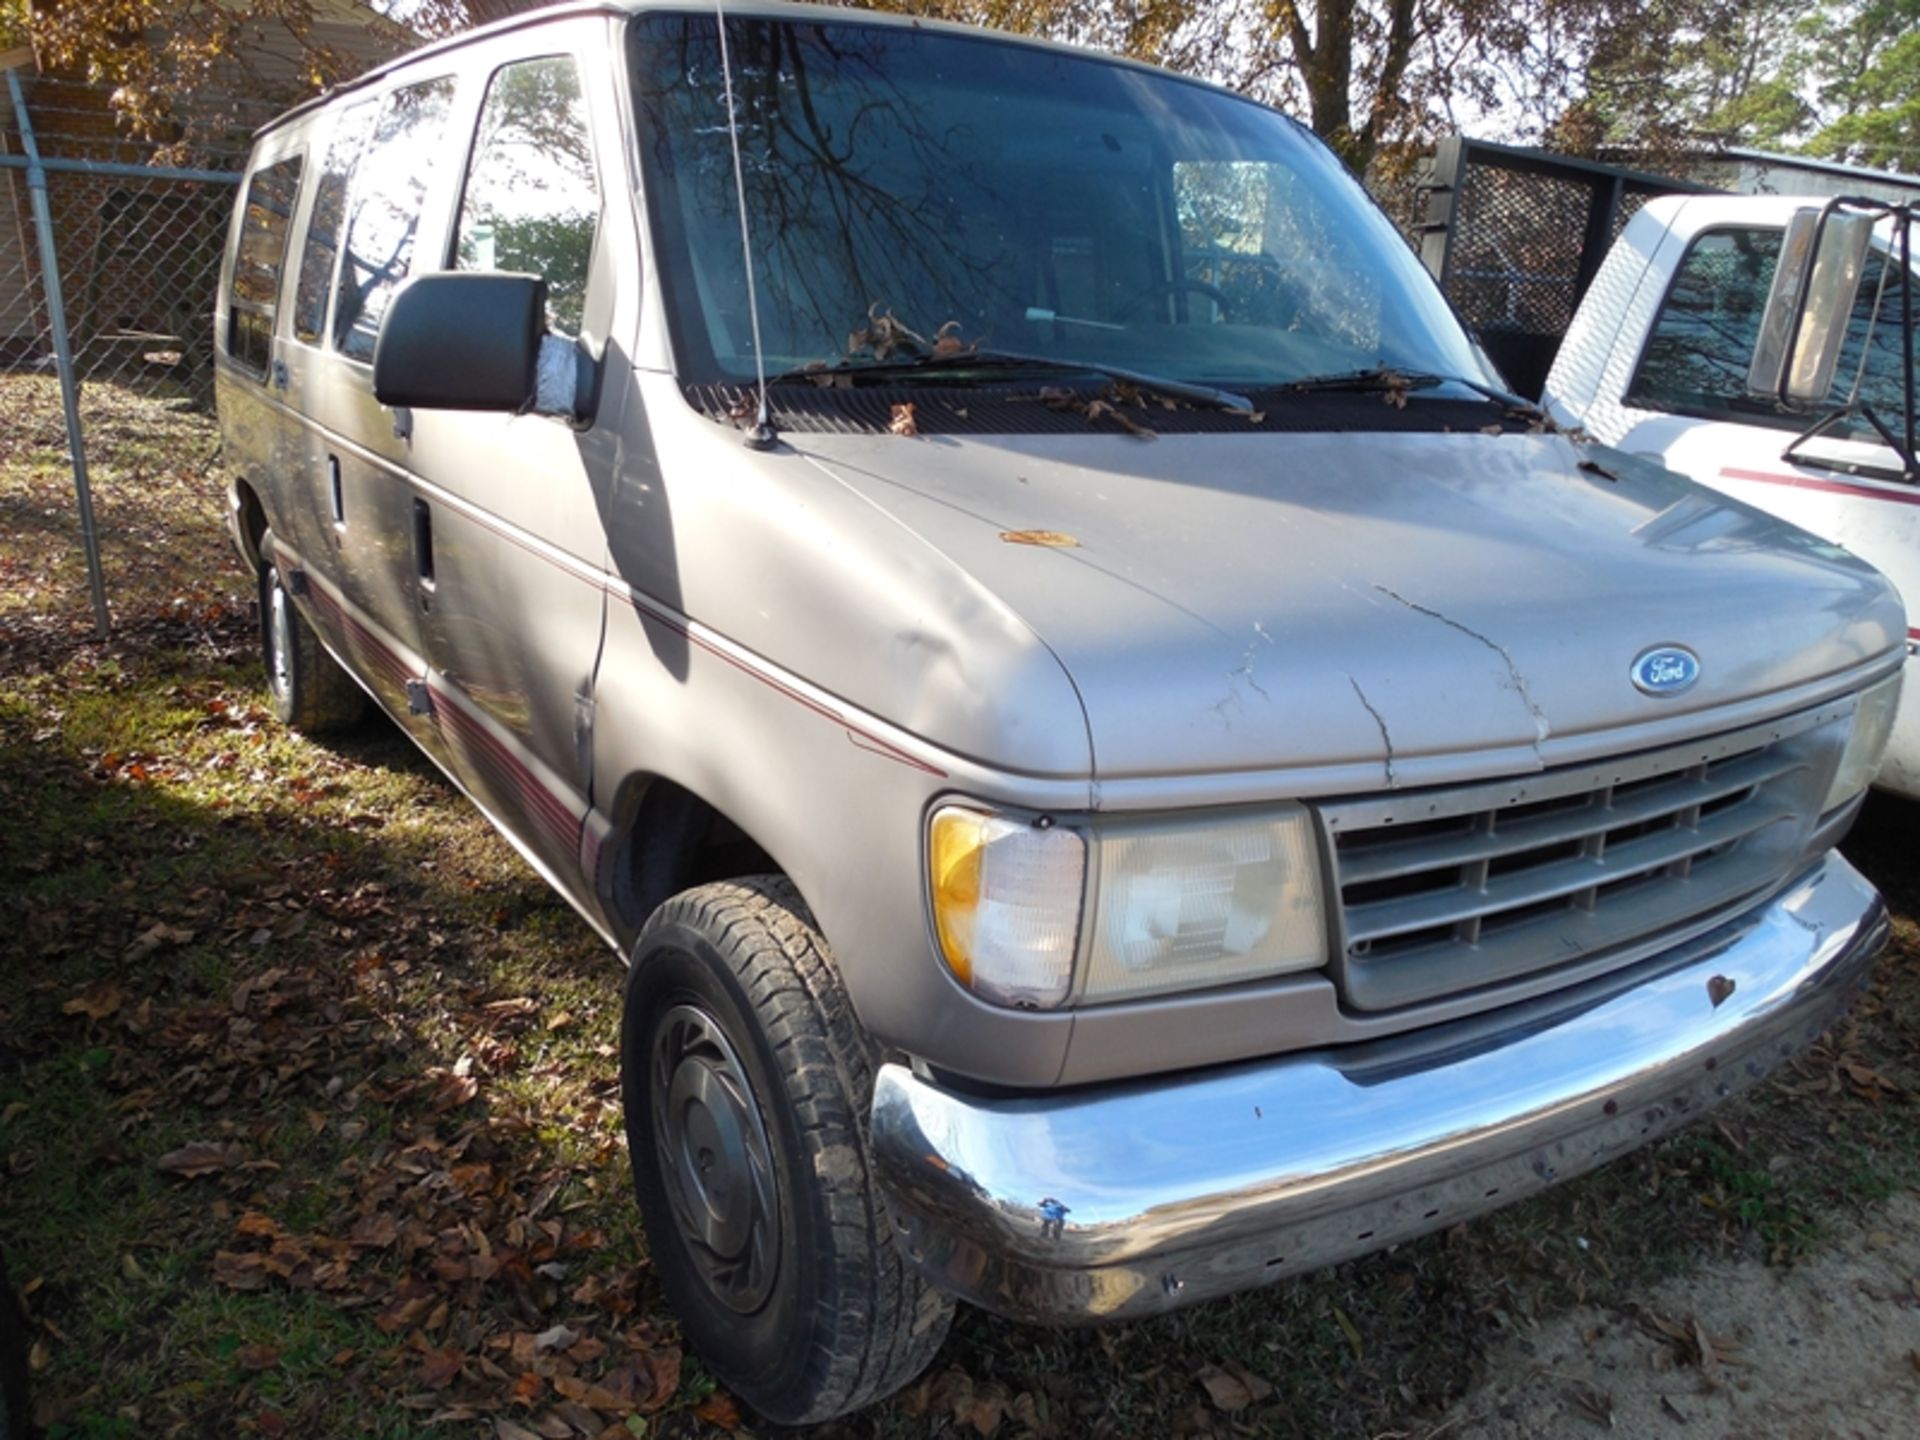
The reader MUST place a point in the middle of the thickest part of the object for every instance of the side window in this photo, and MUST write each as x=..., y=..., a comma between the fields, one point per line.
x=323, y=225
x=1702, y=342
x=257, y=264
x=390, y=188
x=531, y=202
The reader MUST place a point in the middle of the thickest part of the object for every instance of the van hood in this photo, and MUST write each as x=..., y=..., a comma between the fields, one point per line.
x=1230, y=603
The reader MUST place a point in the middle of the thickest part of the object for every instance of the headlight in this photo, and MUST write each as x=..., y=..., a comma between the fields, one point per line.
x=1867, y=743
x=1178, y=905
x=1006, y=904
x=1197, y=903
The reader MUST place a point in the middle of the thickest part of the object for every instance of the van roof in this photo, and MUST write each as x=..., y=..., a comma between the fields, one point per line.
x=768, y=9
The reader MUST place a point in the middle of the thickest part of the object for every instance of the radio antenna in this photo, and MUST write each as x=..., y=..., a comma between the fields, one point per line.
x=762, y=435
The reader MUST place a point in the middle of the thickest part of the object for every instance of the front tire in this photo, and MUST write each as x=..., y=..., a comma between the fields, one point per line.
x=747, y=1082
x=308, y=688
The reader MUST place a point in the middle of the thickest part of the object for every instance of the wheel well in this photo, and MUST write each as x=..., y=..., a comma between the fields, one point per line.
x=253, y=520
x=667, y=840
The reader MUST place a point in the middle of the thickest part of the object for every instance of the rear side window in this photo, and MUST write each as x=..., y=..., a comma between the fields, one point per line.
x=323, y=225
x=257, y=264
x=1702, y=343
x=389, y=191
x=531, y=203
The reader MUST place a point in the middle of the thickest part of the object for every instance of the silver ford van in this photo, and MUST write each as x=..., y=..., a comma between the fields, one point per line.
x=1125, y=767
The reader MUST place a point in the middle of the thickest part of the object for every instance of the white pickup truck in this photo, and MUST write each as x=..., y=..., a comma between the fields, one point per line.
x=1659, y=362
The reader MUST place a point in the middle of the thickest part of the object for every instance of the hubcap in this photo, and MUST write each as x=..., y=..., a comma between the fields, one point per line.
x=279, y=640
x=715, y=1160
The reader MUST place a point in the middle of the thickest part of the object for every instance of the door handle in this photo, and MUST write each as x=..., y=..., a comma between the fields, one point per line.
x=423, y=544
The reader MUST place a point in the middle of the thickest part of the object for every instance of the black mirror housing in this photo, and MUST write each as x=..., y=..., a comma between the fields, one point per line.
x=461, y=341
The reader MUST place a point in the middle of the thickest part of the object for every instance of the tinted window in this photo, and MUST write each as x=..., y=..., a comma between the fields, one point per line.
x=531, y=202
x=323, y=225
x=390, y=188
x=257, y=264
x=1702, y=343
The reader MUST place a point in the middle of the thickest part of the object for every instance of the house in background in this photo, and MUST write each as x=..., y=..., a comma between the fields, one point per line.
x=17, y=325
x=139, y=257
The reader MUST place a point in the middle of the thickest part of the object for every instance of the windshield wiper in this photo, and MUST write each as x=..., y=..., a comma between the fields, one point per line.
x=1385, y=378
x=991, y=360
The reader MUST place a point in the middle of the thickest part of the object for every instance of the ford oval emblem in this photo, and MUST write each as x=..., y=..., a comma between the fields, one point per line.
x=1665, y=670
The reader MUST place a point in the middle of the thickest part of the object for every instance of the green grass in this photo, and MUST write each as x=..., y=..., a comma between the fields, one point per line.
x=372, y=917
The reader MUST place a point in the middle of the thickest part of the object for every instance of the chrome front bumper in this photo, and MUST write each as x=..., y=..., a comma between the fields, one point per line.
x=1121, y=1201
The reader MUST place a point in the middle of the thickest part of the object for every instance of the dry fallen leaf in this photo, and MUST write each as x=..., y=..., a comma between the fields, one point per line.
x=1595, y=1405
x=256, y=1357
x=1719, y=988
x=902, y=422
x=1226, y=1391
x=154, y=937
x=97, y=1001
x=719, y=1409
x=947, y=343
x=440, y=1368
x=239, y=1272
x=1051, y=539
x=1351, y=1331
x=202, y=1157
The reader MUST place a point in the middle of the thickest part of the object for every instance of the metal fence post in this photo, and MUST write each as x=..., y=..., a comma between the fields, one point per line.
x=62, y=352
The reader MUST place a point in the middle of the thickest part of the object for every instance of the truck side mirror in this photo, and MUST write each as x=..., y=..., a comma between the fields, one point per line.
x=1809, y=306
x=462, y=341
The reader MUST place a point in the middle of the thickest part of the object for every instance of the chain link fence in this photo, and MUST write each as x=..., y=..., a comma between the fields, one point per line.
x=110, y=255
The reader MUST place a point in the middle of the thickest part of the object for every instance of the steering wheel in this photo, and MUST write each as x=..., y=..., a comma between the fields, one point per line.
x=1175, y=287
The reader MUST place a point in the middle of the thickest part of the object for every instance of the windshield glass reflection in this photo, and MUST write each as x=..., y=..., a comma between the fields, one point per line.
x=980, y=193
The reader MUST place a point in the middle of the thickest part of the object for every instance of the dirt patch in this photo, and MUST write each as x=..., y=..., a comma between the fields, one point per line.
x=1827, y=1348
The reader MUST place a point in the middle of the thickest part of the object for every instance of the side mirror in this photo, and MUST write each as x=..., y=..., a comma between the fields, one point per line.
x=462, y=341
x=1810, y=306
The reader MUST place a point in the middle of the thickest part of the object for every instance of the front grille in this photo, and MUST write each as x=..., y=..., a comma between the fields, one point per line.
x=1453, y=890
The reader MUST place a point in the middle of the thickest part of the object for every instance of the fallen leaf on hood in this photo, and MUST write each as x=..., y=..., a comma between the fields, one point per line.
x=1719, y=989
x=1050, y=539
x=902, y=421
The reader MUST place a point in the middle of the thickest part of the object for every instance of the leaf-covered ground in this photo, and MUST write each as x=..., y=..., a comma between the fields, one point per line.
x=309, y=1114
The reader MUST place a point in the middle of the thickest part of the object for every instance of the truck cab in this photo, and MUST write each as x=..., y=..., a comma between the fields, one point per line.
x=1657, y=362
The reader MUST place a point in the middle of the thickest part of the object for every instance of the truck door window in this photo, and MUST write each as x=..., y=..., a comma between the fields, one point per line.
x=323, y=223
x=389, y=192
x=257, y=264
x=531, y=203
x=1696, y=358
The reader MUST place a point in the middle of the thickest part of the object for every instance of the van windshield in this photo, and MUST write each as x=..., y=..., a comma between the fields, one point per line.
x=1010, y=197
